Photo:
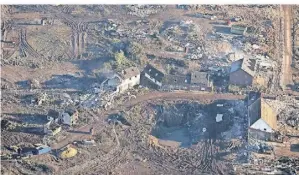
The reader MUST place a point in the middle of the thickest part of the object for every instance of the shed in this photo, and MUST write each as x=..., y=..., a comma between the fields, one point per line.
x=43, y=149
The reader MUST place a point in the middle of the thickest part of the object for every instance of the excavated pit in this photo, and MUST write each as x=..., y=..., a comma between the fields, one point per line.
x=188, y=123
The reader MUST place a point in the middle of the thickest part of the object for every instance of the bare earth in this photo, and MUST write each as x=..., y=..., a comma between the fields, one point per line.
x=287, y=59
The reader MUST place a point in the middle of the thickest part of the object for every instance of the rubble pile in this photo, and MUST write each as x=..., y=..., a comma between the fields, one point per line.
x=290, y=117
x=288, y=165
x=293, y=121
x=196, y=53
x=7, y=125
x=107, y=27
x=6, y=84
x=144, y=10
x=141, y=31
x=278, y=105
x=181, y=32
x=180, y=136
x=282, y=165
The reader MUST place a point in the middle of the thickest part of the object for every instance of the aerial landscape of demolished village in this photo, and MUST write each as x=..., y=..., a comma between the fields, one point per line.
x=149, y=89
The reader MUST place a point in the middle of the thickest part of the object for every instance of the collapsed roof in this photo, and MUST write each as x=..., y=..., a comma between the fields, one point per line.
x=153, y=72
x=199, y=78
x=129, y=72
x=247, y=65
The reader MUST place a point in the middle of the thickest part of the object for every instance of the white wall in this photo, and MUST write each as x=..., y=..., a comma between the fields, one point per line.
x=129, y=83
x=262, y=125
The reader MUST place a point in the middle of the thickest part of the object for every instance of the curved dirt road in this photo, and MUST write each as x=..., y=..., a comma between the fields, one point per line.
x=151, y=96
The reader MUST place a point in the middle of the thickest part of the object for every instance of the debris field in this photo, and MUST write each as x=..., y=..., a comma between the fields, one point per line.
x=74, y=102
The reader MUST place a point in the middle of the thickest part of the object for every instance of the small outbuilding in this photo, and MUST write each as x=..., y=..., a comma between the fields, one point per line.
x=42, y=149
x=69, y=117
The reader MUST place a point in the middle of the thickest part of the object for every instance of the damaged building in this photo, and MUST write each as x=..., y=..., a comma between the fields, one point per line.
x=175, y=82
x=242, y=72
x=125, y=79
x=152, y=77
x=115, y=84
x=201, y=81
x=261, y=115
x=156, y=79
x=53, y=115
x=130, y=78
x=69, y=117
x=51, y=127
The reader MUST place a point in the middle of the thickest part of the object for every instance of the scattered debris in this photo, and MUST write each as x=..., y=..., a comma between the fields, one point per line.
x=7, y=125
x=184, y=50
x=118, y=119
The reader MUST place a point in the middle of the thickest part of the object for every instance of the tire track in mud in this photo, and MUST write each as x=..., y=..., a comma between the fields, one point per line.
x=25, y=47
x=102, y=164
x=171, y=162
x=79, y=29
x=198, y=160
